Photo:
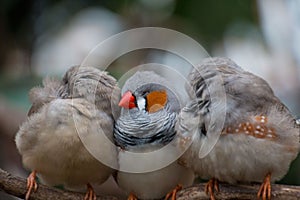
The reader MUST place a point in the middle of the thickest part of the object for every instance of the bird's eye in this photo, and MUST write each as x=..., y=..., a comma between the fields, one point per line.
x=156, y=101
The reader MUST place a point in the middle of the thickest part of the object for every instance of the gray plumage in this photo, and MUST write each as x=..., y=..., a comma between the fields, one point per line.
x=42, y=95
x=135, y=127
x=139, y=131
x=238, y=156
x=139, y=128
x=94, y=85
x=142, y=82
x=69, y=116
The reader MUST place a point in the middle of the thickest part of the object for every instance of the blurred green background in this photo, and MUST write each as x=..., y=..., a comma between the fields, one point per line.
x=40, y=38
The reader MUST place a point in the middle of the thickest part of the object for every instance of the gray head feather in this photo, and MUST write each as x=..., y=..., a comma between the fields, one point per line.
x=92, y=84
x=138, y=128
x=143, y=82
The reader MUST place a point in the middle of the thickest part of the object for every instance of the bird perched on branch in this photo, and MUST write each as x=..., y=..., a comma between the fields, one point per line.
x=68, y=122
x=146, y=125
x=259, y=139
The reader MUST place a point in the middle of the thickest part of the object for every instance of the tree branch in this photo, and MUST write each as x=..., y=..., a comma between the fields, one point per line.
x=16, y=186
x=249, y=191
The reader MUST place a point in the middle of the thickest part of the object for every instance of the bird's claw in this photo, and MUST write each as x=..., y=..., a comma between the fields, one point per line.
x=211, y=186
x=90, y=194
x=31, y=184
x=265, y=189
x=132, y=197
x=173, y=193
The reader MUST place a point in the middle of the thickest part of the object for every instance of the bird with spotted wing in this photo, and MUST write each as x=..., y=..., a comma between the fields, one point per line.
x=260, y=136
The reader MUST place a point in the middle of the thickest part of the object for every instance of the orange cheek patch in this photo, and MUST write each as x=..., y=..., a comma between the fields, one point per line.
x=156, y=101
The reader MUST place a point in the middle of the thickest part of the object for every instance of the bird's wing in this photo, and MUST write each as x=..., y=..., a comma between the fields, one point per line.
x=220, y=89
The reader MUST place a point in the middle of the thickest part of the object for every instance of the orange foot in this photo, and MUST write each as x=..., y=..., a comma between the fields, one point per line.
x=265, y=189
x=173, y=193
x=210, y=188
x=90, y=194
x=132, y=196
x=31, y=184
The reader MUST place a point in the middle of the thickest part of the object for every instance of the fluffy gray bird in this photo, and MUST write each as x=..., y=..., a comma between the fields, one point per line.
x=259, y=139
x=66, y=117
x=146, y=124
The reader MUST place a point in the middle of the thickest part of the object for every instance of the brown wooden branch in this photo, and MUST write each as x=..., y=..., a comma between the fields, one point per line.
x=249, y=191
x=16, y=186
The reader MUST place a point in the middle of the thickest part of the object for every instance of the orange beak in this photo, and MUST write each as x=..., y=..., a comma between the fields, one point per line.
x=127, y=100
